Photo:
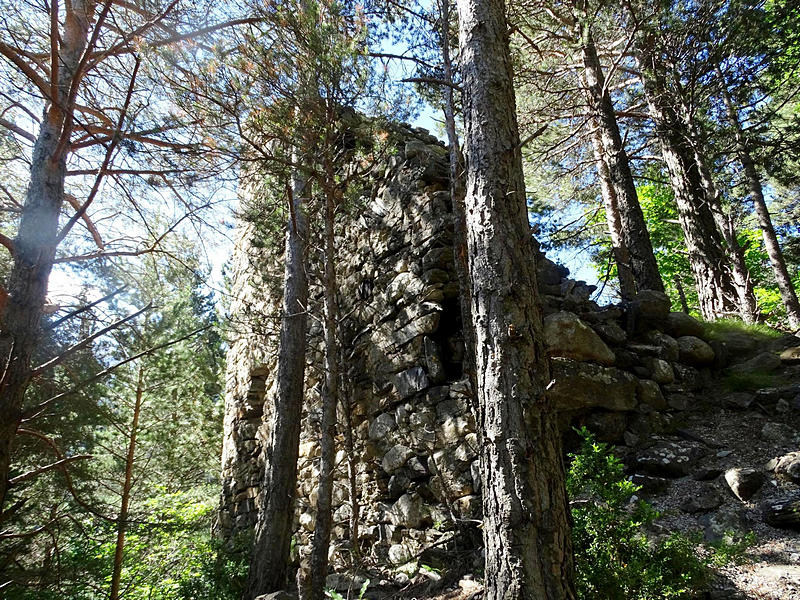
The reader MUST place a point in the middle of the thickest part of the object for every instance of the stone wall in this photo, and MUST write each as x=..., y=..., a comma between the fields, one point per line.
x=616, y=369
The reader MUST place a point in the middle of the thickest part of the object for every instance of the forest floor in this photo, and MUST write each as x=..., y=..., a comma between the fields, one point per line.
x=763, y=426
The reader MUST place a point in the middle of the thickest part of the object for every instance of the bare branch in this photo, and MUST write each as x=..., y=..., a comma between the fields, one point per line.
x=82, y=309
x=59, y=464
x=40, y=408
x=81, y=211
x=85, y=342
x=18, y=130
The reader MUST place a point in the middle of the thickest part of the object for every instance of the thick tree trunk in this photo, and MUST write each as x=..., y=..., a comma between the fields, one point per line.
x=273, y=534
x=743, y=283
x=627, y=283
x=36, y=241
x=122, y=518
x=636, y=238
x=330, y=397
x=526, y=517
x=745, y=293
x=715, y=289
x=771, y=243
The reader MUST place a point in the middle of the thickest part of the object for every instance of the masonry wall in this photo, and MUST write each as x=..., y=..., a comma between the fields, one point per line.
x=413, y=455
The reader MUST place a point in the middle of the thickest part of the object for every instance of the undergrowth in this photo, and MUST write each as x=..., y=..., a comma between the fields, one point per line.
x=719, y=328
x=743, y=381
x=615, y=558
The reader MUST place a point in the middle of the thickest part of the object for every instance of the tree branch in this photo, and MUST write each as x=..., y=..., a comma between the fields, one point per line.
x=59, y=464
x=37, y=410
x=78, y=311
x=18, y=130
x=85, y=342
x=434, y=81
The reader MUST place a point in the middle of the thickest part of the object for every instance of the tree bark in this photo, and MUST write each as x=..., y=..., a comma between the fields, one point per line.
x=743, y=283
x=37, y=238
x=636, y=238
x=715, y=289
x=745, y=293
x=352, y=468
x=627, y=283
x=330, y=397
x=457, y=200
x=273, y=534
x=122, y=518
x=676, y=279
x=526, y=517
x=782, y=277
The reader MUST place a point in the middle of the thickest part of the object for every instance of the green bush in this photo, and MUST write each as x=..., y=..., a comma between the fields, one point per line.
x=615, y=560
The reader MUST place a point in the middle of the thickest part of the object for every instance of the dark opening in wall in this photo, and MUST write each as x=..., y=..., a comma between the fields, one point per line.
x=450, y=340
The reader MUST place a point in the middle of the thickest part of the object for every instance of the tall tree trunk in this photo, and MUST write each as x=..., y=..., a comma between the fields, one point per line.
x=457, y=193
x=122, y=517
x=715, y=289
x=627, y=283
x=743, y=283
x=330, y=397
x=37, y=238
x=634, y=229
x=676, y=279
x=352, y=467
x=273, y=534
x=745, y=292
x=526, y=517
x=771, y=243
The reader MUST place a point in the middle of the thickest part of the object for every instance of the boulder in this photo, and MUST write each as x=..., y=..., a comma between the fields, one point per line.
x=381, y=426
x=784, y=515
x=723, y=522
x=612, y=333
x=409, y=511
x=578, y=386
x=694, y=351
x=786, y=467
x=777, y=432
x=410, y=381
x=702, y=500
x=396, y=458
x=661, y=371
x=741, y=345
x=784, y=342
x=679, y=324
x=680, y=401
x=400, y=554
x=791, y=356
x=738, y=400
x=569, y=337
x=765, y=361
x=650, y=393
x=652, y=306
x=744, y=482
x=278, y=596
x=668, y=345
x=669, y=459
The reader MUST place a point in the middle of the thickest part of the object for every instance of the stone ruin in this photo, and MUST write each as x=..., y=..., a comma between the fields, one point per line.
x=622, y=371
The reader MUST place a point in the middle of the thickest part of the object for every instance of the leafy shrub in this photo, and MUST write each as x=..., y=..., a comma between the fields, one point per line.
x=731, y=548
x=217, y=574
x=615, y=560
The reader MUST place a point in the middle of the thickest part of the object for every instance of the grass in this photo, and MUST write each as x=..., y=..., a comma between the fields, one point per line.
x=719, y=329
x=750, y=382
